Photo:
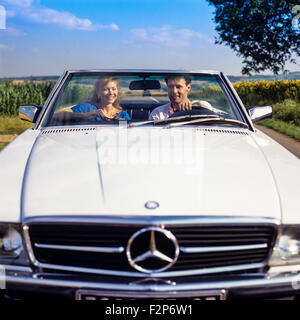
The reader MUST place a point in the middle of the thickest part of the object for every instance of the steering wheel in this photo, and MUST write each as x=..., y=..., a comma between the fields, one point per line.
x=196, y=110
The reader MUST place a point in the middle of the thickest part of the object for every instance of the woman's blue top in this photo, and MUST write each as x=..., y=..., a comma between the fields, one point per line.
x=85, y=107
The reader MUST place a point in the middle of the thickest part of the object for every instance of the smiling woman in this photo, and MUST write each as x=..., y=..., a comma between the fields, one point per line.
x=103, y=104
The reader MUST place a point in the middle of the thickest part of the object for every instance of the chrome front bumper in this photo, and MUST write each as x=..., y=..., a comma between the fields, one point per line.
x=232, y=286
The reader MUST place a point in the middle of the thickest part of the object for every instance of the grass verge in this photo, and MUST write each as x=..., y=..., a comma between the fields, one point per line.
x=283, y=127
x=13, y=125
x=3, y=144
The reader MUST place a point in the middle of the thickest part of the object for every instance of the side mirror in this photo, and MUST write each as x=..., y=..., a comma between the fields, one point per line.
x=29, y=113
x=259, y=113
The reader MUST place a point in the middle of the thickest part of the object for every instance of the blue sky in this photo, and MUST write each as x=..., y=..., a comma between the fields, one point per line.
x=46, y=37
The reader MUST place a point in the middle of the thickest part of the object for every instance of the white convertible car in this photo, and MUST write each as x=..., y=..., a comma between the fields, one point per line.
x=148, y=184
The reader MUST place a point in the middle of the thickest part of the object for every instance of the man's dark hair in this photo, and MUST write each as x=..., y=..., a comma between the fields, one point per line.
x=187, y=79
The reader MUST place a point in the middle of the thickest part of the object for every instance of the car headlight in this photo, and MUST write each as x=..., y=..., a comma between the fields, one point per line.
x=287, y=248
x=11, y=244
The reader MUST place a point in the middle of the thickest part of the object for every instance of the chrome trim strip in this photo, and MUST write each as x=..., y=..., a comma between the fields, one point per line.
x=223, y=248
x=159, y=71
x=156, y=274
x=244, y=283
x=16, y=268
x=80, y=248
x=28, y=245
x=155, y=220
x=237, y=100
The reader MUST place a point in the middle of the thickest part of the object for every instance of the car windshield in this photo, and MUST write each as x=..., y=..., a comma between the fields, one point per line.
x=97, y=98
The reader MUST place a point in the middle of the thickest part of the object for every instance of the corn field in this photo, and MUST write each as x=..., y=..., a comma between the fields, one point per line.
x=14, y=95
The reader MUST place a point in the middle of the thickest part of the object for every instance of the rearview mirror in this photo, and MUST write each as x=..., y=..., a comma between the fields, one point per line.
x=259, y=113
x=144, y=85
x=29, y=113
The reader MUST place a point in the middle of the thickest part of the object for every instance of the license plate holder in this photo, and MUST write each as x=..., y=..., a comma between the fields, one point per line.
x=93, y=295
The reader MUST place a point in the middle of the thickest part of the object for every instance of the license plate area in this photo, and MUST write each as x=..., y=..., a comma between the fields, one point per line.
x=94, y=295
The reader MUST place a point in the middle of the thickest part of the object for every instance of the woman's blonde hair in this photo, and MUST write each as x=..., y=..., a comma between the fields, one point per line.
x=100, y=83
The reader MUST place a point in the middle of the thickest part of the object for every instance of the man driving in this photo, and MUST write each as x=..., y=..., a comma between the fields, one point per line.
x=178, y=90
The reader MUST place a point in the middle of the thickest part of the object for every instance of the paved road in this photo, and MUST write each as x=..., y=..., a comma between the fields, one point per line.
x=289, y=143
x=7, y=137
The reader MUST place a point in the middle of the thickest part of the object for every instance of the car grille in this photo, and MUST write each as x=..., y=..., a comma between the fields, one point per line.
x=207, y=249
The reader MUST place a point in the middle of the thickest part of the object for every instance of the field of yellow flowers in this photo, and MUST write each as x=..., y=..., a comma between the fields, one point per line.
x=267, y=92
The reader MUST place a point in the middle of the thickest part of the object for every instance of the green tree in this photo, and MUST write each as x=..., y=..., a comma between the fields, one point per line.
x=263, y=32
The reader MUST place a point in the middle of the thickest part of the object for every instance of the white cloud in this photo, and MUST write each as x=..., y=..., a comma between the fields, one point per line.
x=43, y=15
x=112, y=26
x=60, y=18
x=20, y=3
x=166, y=35
x=140, y=34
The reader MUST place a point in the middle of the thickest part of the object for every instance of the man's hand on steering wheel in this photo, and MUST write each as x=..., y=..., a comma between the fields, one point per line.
x=187, y=106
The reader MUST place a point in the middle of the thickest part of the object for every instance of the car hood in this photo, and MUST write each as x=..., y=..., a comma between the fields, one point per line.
x=117, y=171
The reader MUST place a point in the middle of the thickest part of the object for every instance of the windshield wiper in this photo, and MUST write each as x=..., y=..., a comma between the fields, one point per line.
x=191, y=118
x=140, y=123
x=210, y=119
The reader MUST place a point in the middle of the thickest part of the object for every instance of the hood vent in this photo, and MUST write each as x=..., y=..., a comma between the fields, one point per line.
x=206, y=130
x=230, y=131
x=50, y=131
